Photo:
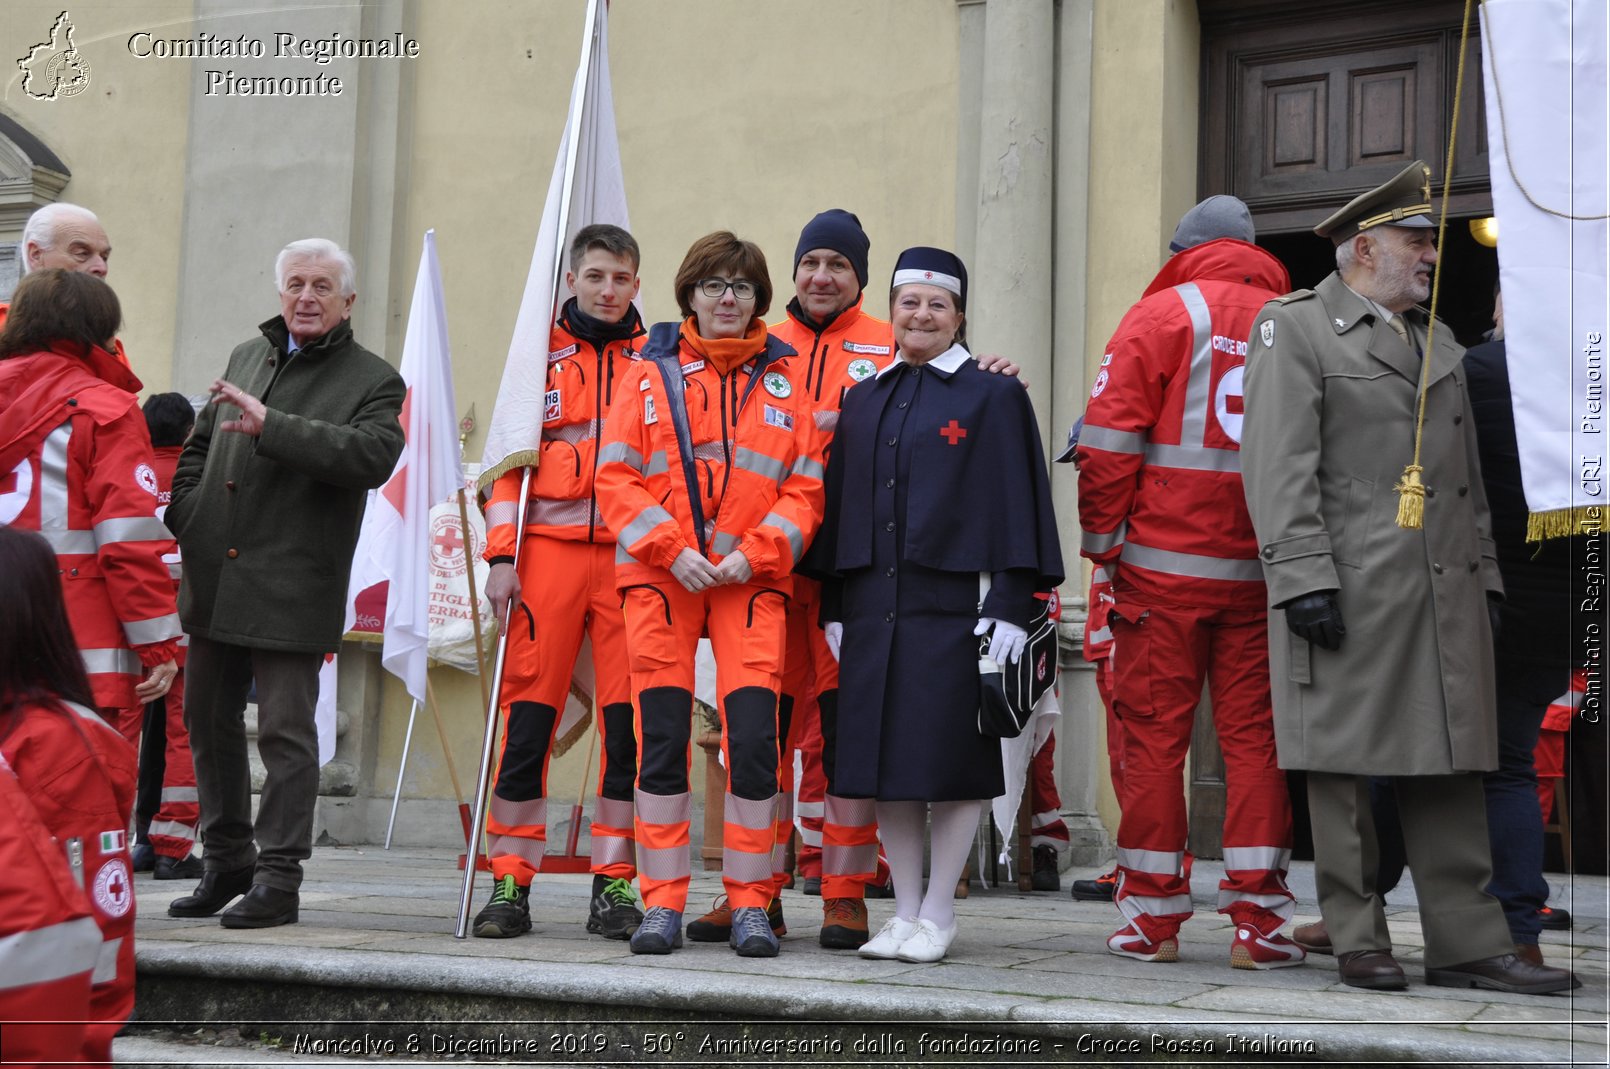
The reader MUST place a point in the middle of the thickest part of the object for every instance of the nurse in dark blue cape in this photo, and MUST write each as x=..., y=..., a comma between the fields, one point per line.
x=937, y=475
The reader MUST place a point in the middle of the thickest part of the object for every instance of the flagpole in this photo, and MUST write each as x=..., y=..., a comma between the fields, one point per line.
x=402, y=766
x=475, y=601
x=472, y=850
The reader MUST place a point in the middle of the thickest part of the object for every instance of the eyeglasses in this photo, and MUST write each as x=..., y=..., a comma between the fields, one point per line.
x=742, y=289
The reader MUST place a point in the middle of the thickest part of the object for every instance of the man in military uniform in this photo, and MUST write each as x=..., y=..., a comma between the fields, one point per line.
x=1403, y=689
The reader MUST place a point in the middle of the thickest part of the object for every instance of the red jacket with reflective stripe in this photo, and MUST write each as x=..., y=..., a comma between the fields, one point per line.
x=1159, y=456
x=584, y=377
x=854, y=347
x=80, y=776
x=757, y=458
x=76, y=465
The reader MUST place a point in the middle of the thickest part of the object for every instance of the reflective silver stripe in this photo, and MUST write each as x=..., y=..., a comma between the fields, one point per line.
x=796, y=537
x=746, y=459
x=613, y=850
x=1100, y=574
x=849, y=860
x=1134, y=905
x=106, y=961
x=53, y=487
x=664, y=808
x=65, y=542
x=1100, y=635
x=574, y=433
x=805, y=810
x=554, y=513
x=528, y=850
x=724, y=543
x=827, y=420
x=45, y=955
x=810, y=836
x=670, y=863
x=1283, y=906
x=156, y=629
x=499, y=513
x=785, y=808
x=84, y=712
x=807, y=466
x=749, y=812
x=131, y=529
x=1192, y=565
x=851, y=812
x=1111, y=440
x=1198, y=395
x=623, y=557
x=111, y=662
x=1257, y=858
x=1194, y=458
x=612, y=813
x=658, y=463
x=1095, y=542
x=716, y=450
x=172, y=829
x=180, y=794
x=744, y=867
x=532, y=813
x=175, y=570
x=1158, y=862
x=642, y=524
x=620, y=453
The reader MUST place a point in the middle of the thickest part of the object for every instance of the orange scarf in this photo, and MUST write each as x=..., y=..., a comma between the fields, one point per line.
x=724, y=354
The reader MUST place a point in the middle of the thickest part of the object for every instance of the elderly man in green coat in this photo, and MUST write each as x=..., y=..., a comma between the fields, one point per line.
x=1380, y=642
x=267, y=500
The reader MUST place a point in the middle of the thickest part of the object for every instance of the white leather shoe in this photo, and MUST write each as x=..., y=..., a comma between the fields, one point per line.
x=886, y=944
x=928, y=943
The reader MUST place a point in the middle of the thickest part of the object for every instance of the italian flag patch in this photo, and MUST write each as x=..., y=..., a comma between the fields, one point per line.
x=112, y=841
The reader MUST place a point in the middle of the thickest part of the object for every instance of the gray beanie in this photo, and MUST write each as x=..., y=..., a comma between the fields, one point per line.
x=1220, y=216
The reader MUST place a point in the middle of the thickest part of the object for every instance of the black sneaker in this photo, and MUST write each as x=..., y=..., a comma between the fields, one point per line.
x=613, y=913
x=1554, y=920
x=1045, y=876
x=508, y=914
x=812, y=885
x=1099, y=889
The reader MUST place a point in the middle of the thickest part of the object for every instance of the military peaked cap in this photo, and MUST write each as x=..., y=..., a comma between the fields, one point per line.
x=1404, y=201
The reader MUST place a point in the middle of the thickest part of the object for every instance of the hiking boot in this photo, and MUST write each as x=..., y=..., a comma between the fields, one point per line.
x=508, y=914
x=1130, y=942
x=1045, y=876
x=1254, y=950
x=1099, y=889
x=716, y=926
x=660, y=932
x=613, y=912
x=752, y=935
x=188, y=867
x=811, y=886
x=844, y=924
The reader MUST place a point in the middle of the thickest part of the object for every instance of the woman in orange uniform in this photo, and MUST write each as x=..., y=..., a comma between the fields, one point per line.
x=710, y=475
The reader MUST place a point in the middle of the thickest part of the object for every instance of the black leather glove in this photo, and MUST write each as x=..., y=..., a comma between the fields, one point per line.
x=1494, y=613
x=1317, y=618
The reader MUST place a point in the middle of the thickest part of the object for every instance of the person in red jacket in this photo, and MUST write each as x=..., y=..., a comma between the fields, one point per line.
x=166, y=809
x=711, y=478
x=564, y=589
x=76, y=465
x=78, y=774
x=1162, y=508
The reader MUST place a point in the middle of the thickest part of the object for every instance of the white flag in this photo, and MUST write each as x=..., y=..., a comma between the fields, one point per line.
x=394, y=543
x=1548, y=114
x=596, y=193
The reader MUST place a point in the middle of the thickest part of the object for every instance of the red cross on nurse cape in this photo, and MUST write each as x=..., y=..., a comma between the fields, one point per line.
x=953, y=432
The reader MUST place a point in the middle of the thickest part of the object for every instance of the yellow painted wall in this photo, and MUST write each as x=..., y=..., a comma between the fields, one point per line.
x=123, y=138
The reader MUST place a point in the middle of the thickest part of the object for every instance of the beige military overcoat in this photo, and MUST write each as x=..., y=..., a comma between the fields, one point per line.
x=1330, y=424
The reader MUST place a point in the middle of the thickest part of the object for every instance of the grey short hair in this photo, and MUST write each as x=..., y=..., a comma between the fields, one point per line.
x=322, y=249
x=41, y=227
x=1347, y=254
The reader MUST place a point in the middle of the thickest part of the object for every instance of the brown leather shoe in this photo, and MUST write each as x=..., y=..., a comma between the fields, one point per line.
x=1532, y=954
x=1506, y=972
x=1377, y=970
x=1314, y=938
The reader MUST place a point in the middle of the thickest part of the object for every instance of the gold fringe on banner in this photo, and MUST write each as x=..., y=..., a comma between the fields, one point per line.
x=1563, y=523
x=525, y=458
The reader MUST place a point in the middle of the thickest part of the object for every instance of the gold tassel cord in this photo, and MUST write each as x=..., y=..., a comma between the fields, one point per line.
x=1411, y=492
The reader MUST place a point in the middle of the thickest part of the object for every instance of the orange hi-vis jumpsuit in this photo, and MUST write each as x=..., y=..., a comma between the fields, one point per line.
x=835, y=356
x=567, y=588
x=712, y=448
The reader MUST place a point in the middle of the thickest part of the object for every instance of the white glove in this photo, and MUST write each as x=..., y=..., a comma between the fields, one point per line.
x=834, y=632
x=693, y=571
x=1007, y=643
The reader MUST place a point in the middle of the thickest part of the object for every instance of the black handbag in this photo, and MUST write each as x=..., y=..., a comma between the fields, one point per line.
x=1008, y=693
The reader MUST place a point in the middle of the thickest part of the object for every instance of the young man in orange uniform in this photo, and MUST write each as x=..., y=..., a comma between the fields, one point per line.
x=565, y=587
x=711, y=478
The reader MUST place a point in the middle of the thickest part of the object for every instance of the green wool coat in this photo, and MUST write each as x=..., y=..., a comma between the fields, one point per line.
x=1329, y=427
x=267, y=525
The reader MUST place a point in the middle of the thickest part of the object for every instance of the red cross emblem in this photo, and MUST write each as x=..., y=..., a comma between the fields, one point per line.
x=1235, y=404
x=449, y=541
x=954, y=432
x=927, y=274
